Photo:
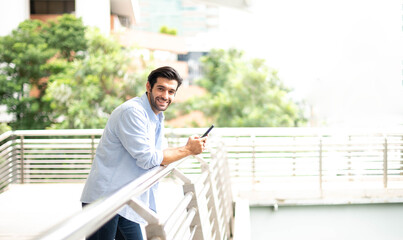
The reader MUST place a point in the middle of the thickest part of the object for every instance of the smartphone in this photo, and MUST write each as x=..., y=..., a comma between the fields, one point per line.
x=207, y=132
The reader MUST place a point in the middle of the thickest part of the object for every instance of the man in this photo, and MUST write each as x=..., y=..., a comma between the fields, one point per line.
x=132, y=144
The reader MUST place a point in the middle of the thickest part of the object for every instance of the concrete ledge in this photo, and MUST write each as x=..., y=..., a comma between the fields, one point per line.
x=326, y=197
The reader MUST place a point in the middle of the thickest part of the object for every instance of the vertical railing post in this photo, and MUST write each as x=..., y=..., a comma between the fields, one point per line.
x=385, y=162
x=320, y=165
x=401, y=157
x=254, y=180
x=349, y=168
x=22, y=159
x=294, y=159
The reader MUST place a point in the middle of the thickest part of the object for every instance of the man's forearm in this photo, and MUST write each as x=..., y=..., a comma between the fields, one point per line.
x=194, y=146
x=174, y=154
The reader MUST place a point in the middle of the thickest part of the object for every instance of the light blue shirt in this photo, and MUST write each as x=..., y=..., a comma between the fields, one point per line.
x=131, y=145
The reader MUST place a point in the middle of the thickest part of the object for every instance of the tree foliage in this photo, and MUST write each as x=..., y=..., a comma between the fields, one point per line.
x=244, y=92
x=23, y=55
x=66, y=34
x=60, y=74
x=170, y=31
x=87, y=91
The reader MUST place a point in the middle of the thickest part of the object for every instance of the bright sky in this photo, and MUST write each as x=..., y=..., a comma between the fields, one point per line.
x=344, y=57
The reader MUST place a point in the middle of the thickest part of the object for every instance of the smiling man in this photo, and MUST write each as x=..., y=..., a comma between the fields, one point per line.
x=132, y=144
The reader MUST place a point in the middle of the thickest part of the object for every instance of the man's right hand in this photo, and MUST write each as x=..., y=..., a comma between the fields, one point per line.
x=196, y=145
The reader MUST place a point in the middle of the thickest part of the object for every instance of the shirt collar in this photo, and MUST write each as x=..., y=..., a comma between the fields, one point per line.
x=146, y=104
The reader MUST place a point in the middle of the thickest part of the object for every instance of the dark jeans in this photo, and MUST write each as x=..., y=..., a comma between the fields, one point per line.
x=118, y=228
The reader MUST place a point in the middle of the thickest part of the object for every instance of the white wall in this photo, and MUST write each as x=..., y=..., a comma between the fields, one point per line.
x=95, y=13
x=12, y=13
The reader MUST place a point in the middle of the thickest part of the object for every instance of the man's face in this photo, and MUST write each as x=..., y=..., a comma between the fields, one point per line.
x=162, y=94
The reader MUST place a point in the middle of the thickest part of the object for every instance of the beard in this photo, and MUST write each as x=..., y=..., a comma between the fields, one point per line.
x=154, y=103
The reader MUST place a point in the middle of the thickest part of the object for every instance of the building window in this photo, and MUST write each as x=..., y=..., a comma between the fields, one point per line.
x=52, y=6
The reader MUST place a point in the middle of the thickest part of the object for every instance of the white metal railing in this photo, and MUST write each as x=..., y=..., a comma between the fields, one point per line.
x=37, y=156
x=260, y=159
x=205, y=211
x=261, y=155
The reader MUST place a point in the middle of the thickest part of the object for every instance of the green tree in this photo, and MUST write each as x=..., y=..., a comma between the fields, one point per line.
x=4, y=128
x=67, y=35
x=166, y=30
x=244, y=92
x=23, y=55
x=87, y=90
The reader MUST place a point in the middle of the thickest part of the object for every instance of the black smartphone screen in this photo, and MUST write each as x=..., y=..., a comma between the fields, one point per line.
x=208, y=130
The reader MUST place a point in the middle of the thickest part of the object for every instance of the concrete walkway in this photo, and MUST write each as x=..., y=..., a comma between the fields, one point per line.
x=29, y=209
x=26, y=210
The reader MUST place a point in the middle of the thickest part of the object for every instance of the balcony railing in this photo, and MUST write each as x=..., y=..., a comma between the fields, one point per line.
x=205, y=210
x=273, y=160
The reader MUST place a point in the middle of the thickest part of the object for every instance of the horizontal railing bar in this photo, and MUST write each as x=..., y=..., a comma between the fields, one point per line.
x=5, y=153
x=179, y=208
x=302, y=147
x=202, y=178
x=64, y=151
x=192, y=232
x=47, y=166
x=54, y=177
x=4, y=184
x=5, y=135
x=57, y=161
x=229, y=132
x=173, y=227
x=64, y=132
x=28, y=172
x=6, y=145
x=186, y=224
x=63, y=156
x=56, y=180
x=5, y=181
x=6, y=162
x=292, y=154
x=6, y=171
x=60, y=146
x=62, y=140
x=203, y=191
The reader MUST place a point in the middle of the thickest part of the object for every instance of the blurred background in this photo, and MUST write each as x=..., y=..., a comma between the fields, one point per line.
x=310, y=63
x=308, y=96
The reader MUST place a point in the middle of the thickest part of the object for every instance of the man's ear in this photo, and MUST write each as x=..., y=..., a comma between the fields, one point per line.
x=148, y=86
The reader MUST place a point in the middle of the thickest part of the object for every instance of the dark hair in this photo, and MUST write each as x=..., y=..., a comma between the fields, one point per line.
x=164, y=72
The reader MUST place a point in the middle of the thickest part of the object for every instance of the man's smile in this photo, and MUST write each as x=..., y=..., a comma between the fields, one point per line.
x=162, y=101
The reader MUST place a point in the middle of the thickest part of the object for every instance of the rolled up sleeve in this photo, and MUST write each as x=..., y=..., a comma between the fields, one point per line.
x=133, y=132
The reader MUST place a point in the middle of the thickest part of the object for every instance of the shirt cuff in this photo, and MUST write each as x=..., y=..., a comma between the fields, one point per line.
x=159, y=157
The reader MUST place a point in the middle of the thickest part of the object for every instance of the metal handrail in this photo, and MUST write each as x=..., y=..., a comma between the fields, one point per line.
x=98, y=213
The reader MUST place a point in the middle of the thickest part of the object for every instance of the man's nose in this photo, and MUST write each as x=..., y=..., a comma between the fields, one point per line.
x=165, y=95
